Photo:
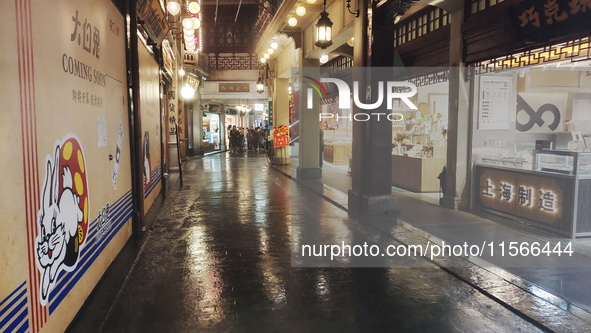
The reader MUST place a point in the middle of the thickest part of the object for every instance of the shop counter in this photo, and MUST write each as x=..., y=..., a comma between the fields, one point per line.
x=337, y=152
x=552, y=200
x=416, y=174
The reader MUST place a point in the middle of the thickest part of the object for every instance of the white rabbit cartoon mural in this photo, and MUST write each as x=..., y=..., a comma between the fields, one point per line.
x=63, y=217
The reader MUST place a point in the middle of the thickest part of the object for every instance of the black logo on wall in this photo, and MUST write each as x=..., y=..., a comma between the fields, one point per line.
x=535, y=117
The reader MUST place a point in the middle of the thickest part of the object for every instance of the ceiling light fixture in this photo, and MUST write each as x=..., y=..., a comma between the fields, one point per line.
x=300, y=10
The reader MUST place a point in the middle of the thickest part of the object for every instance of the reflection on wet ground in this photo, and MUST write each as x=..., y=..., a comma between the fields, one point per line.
x=219, y=259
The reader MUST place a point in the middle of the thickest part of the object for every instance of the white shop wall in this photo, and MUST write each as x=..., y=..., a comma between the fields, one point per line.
x=535, y=89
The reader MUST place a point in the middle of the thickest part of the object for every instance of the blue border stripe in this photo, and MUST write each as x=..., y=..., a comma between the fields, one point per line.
x=18, y=320
x=93, y=225
x=114, y=208
x=152, y=187
x=156, y=176
x=90, y=245
x=118, y=225
x=88, y=254
x=12, y=293
x=13, y=313
x=25, y=326
x=75, y=276
x=11, y=304
x=59, y=298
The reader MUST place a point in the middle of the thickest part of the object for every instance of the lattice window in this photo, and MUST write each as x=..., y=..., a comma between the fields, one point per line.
x=431, y=78
x=336, y=65
x=420, y=25
x=480, y=5
x=575, y=51
x=234, y=61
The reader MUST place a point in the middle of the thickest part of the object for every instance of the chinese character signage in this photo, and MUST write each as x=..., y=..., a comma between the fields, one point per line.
x=153, y=19
x=540, y=20
x=280, y=136
x=543, y=199
x=234, y=87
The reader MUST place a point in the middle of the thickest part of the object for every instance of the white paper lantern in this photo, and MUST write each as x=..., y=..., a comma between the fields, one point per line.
x=188, y=24
x=173, y=7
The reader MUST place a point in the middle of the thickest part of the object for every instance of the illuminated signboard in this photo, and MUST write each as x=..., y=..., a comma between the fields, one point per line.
x=234, y=87
x=539, y=198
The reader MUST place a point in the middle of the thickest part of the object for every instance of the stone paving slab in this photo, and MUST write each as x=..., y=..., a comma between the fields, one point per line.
x=547, y=311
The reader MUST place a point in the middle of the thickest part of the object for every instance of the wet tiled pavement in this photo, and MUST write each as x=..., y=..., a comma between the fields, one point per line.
x=218, y=259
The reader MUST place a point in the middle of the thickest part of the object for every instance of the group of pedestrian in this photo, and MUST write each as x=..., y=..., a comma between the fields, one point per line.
x=254, y=139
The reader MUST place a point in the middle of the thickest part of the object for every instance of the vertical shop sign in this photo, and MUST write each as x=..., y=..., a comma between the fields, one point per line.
x=270, y=113
x=171, y=114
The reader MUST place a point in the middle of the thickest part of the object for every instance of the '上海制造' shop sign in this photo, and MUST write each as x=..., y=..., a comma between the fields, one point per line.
x=538, y=198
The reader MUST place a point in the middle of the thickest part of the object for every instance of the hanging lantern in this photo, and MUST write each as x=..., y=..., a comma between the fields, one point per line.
x=188, y=24
x=173, y=7
x=323, y=37
x=196, y=22
x=194, y=7
x=260, y=85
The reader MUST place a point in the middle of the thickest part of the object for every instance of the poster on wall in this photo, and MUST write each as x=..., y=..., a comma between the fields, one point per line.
x=63, y=216
x=494, y=98
x=63, y=110
x=280, y=136
x=150, y=122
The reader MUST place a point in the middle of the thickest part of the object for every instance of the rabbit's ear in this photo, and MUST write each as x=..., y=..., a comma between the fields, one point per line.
x=55, y=177
x=47, y=188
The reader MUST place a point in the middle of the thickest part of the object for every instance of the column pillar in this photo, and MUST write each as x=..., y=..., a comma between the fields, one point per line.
x=455, y=194
x=371, y=191
x=197, y=128
x=281, y=117
x=309, y=127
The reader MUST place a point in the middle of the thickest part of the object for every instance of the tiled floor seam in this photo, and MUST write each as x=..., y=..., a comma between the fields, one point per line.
x=568, y=308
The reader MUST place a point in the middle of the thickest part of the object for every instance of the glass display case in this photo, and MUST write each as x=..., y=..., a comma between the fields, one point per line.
x=566, y=162
x=555, y=195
